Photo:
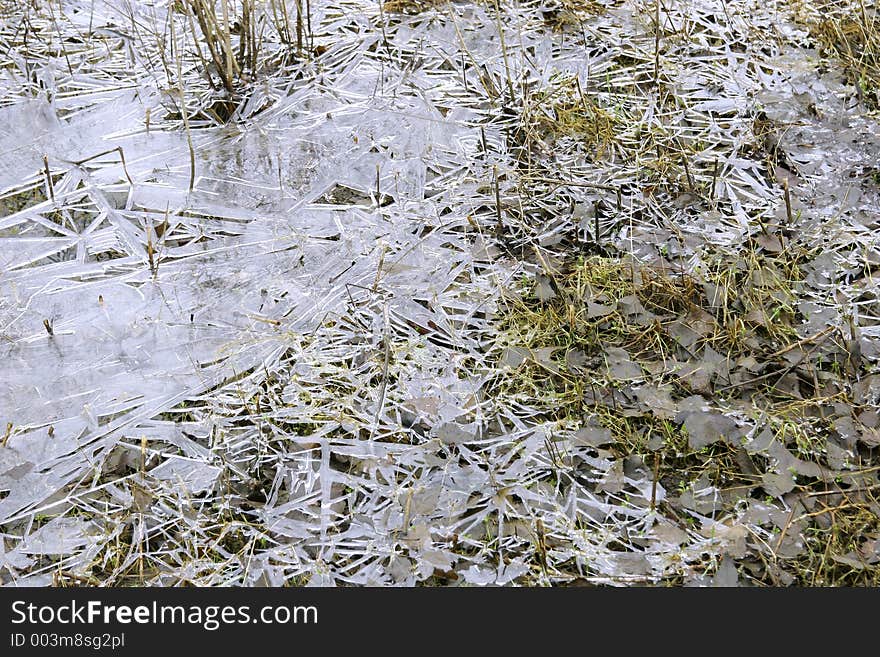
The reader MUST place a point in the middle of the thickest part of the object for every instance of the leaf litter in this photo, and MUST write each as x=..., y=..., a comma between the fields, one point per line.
x=438, y=293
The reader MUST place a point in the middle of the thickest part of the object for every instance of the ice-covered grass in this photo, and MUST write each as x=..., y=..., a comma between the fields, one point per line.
x=444, y=293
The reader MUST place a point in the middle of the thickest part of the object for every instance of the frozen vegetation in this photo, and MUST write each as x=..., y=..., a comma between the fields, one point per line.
x=341, y=292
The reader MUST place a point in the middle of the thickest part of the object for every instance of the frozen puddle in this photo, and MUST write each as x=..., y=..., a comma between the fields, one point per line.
x=121, y=301
x=286, y=362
